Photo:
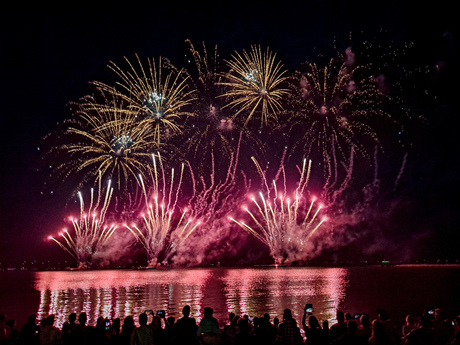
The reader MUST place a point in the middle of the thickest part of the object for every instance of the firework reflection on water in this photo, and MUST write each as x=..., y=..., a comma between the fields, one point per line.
x=251, y=291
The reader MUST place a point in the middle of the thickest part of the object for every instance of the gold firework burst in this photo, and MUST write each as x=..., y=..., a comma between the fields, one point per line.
x=156, y=93
x=107, y=139
x=254, y=84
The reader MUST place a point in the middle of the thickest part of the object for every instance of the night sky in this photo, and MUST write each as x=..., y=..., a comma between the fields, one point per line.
x=48, y=56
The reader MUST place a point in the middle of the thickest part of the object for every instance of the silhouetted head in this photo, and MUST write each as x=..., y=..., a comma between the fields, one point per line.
x=243, y=324
x=340, y=316
x=383, y=315
x=287, y=315
x=235, y=320
x=365, y=320
x=116, y=324
x=352, y=326
x=72, y=317
x=143, y=319
x=31, y=320
x=186, y=310
x=208, y=311
x=313, y=322
x=82, y=318
x=156, y=322
x=378, y=329
x=410, y=320
x=100, y=321
x=128, y=322
x=425, y=321
x=50, y=320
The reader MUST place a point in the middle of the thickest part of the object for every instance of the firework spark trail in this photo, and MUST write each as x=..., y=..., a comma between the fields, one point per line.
x=207, y=200
x=90, y=232
x=157, y=94
x=254, y=84
x=284, y=225
x=336, y=103
x=160, y=231
x=211, y=200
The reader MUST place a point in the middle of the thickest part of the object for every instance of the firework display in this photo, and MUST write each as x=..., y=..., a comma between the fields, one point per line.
x=202, y=118
x=284, y=223
x=90, y=231
x=155, y=92
x=333, y=108
x=255, y=84
x=103, y=141
x=160, y=232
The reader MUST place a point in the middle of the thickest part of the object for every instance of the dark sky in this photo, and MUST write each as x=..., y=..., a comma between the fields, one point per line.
x=48, y=54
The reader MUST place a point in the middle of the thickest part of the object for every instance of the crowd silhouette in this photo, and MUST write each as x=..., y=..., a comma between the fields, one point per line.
x=430, y=328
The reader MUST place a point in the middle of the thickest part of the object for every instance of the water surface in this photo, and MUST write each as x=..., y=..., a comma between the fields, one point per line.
x=252, y=291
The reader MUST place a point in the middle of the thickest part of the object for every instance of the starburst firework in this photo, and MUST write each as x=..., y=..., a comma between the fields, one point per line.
x=331, y=111
x=103, y=140
x=254, y=84
x=156, y=93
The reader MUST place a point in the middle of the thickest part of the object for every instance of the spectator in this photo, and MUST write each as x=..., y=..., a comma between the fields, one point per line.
x=49, y=334
x=313, y=332
x=266, y=332
x=365, y=328
x=409, y=326
x=142, y=335
x=245, y=336
x=208, y=331
x=186, y=328
x=13, y=338
x=29, y=331
x=338, y=329
x=288, y=332
x=4, y=330
x=423, y=335
x=351, y=337
x=379, y=334
x=126, y=331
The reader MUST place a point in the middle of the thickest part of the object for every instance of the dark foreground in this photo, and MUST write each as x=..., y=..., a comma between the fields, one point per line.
x=433, y=327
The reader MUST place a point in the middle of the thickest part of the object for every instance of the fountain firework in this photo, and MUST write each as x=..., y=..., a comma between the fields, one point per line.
x=161, y=233
x=285, y=225
x=91, y=233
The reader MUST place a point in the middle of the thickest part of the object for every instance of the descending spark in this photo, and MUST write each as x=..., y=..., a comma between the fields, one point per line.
x=213, y=194
x=90, y=233
x=284, y=224
x=254, y=84
x=335, y=110
x=160, y=232
x=155, y=92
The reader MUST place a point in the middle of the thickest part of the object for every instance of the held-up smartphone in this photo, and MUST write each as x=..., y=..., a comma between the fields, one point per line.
x=309, y=308
x=150, y=311
x=107, y=325
x=161, y=313
x=357, y=316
